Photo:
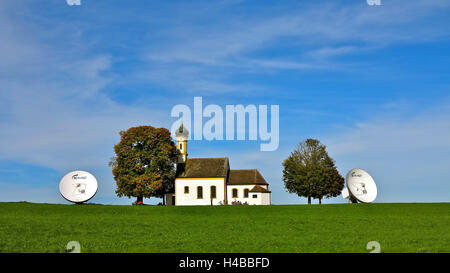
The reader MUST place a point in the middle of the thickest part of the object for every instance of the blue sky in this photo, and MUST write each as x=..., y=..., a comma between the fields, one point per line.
x=370, y=82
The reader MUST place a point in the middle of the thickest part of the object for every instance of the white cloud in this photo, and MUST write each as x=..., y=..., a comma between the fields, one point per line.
x=397, y=131
x=327, y=52
x=314, y=33
x=406, y=152
x=53, y=111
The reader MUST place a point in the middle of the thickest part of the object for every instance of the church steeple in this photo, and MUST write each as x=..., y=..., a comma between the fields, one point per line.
x=182, y=135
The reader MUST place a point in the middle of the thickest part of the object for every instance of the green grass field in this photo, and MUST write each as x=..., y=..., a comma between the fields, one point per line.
x=28, y=227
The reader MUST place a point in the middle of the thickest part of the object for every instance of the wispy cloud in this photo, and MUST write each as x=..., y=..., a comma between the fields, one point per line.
x=399, y=131
x=54, y=111
x=406, y=150
x=311, y=34
x=59, y=76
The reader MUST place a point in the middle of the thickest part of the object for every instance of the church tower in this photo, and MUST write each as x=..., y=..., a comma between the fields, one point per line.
x=182, y=135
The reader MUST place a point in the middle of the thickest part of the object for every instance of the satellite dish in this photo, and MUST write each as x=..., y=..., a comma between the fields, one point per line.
x=360, y=186
x=78, y=186
x=345, y=193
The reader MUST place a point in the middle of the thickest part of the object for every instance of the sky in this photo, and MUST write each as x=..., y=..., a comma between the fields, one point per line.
x=370, y=82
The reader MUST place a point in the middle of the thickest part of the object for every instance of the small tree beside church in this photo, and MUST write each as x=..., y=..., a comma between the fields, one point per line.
x=144, y=165
x=310, y=172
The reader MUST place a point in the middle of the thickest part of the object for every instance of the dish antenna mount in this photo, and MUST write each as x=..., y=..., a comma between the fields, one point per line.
x=360, y=187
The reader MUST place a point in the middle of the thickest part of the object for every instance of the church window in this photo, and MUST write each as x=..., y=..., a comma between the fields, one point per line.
x=255, y=196
x=235, y=193
x=213, y=192
x=186, y=189
x=246, y=193
x=199, y=192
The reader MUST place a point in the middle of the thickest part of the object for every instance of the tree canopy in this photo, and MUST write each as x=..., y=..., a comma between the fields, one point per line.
x=144, y=165
x=310, y=172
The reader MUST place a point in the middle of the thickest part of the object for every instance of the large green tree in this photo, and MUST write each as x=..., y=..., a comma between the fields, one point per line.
x=144, y=165
x=310, y=172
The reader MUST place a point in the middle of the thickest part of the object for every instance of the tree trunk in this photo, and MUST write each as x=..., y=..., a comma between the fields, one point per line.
x=309, y=200
x=320, y=201
x=140, y=199
x=164, y=199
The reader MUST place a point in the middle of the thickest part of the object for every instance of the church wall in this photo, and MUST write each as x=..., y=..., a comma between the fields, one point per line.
x=265, y=198
x=253, y=200
x=240, y=189
x=240, y=197
x=261, y=198
x=190, y=199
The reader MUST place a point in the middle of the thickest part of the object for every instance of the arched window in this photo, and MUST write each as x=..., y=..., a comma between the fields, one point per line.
x=246, y=193
x=199, y=192
x=235, y=193
x=213, y=192
x=181, y=146
x=186, y=189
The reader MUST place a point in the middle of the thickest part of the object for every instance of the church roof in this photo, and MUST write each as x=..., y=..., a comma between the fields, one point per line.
x=246, y=177
x=204, y=168
x=258, y=188
x=181, y=131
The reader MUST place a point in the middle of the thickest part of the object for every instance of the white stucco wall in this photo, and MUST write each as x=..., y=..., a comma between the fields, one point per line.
x=259, y=200
x=253, y=200
x=265, y=198
x=190, y=199
x=240, y=189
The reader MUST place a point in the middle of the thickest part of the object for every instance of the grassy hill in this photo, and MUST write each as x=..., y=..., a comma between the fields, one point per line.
x=28, y=227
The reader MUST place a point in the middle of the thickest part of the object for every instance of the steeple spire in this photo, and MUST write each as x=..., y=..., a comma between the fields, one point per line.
x=182, y=135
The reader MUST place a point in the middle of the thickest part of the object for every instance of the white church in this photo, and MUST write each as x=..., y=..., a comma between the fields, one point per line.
x=209, y=181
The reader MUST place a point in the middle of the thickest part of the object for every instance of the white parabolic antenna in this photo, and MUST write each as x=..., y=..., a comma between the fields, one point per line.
x=361, y=186
x=78, y=186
